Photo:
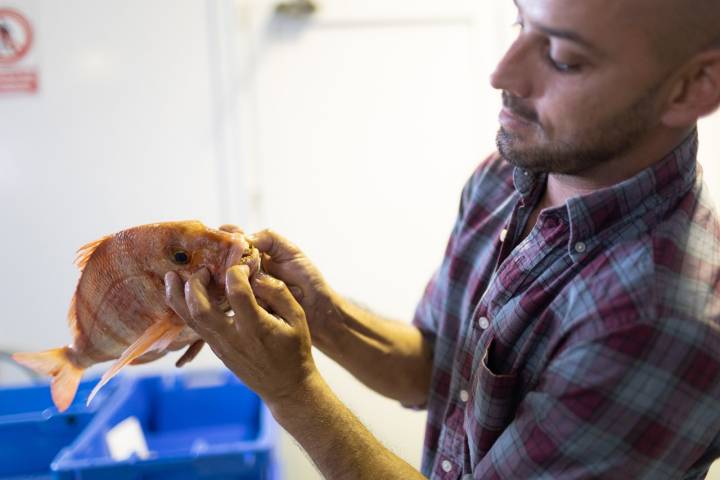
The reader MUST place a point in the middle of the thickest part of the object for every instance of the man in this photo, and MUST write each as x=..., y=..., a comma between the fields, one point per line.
x=573, y=329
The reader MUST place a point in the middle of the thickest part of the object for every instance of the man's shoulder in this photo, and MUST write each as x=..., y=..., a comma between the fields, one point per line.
x=686, y=255
x=671, y=269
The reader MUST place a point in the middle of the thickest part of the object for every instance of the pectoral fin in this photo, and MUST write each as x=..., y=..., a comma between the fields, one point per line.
x=156, y=338
x=190, y=353
x=147, y=358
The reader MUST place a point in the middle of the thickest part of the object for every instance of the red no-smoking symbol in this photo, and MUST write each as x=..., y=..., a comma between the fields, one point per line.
x=15, y=36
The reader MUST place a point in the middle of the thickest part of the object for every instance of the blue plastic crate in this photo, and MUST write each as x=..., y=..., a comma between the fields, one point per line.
x=32, y=431
x=197, y=425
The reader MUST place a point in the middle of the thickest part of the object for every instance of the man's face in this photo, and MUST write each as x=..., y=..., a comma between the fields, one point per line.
x=580, y=83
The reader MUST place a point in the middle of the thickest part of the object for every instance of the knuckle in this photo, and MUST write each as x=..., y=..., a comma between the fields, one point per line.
x=275, y=284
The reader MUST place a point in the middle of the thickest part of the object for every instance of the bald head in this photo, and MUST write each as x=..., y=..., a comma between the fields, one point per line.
x=682, y=28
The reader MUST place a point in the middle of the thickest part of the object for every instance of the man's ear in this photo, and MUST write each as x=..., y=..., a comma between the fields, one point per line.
x=696, y=92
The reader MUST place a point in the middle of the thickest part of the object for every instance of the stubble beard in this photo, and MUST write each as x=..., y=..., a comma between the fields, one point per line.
x=589, y=147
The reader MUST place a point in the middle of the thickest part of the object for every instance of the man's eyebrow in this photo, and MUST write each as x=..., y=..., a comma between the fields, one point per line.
x=564, y=34
x=567, y=35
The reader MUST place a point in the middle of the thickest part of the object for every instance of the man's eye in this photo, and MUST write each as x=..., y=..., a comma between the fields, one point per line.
x=562, y=67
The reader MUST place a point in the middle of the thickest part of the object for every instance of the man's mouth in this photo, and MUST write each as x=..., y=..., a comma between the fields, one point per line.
x=512, y=121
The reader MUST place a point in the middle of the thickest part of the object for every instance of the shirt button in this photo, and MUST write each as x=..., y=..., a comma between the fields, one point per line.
x=503, y=235
x=446, y=466
x=580, y=247
x=484, y=323
x=464, y=396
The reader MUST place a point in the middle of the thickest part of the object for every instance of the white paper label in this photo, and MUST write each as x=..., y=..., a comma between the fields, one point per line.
x=127, y=438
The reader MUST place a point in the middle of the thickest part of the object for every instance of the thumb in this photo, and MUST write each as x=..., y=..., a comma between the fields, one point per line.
x=277, y=296
x=240, y=295
x=286, y=272
x=273, y=244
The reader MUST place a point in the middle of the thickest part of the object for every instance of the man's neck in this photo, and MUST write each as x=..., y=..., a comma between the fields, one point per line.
x=560, y=188
x=646, y=153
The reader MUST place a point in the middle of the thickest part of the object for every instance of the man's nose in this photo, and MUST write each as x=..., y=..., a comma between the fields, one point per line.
x=510, y=74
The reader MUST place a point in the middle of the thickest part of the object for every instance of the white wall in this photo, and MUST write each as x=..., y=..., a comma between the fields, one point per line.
x=121, y=132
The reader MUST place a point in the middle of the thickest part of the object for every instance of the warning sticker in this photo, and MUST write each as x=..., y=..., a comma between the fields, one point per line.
x=16, y=41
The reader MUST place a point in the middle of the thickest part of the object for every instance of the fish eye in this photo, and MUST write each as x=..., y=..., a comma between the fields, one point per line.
x=181, y=257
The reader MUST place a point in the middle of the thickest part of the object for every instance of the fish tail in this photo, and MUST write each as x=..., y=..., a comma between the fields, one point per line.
x=56, y=363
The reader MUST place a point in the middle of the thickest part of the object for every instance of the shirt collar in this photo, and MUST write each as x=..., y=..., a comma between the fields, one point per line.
x=588, y=215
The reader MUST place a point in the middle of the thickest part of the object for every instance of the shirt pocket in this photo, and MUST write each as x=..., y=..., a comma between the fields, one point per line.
x=491, y=406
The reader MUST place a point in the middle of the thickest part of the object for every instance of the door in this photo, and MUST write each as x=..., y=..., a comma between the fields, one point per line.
x=359, y=124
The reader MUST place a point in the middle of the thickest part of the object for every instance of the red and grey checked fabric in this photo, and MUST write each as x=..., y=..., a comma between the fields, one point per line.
x=591, y=349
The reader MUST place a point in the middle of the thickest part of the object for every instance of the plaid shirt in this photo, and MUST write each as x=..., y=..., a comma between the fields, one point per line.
x=590, y=349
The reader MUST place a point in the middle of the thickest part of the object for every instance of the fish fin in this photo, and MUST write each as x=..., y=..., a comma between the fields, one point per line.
x=157, y=337
x=147, y=358
x=85, y=252
x=65, y=375
x=190, y=353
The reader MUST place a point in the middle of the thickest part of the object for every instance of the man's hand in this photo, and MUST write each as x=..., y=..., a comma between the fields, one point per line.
x=285, y=261
x=390, y=357
x=269, y=352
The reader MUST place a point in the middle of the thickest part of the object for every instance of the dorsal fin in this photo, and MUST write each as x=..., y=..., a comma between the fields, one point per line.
x=85, y=252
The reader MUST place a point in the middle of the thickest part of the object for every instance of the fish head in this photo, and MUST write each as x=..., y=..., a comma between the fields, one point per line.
x=188, y=246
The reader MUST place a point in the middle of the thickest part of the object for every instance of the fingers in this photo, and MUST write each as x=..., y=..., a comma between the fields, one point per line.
x=296, y=292
x=271, y=267
x=231, y=228
x=204, y=318
x=190, y=353
x=267, y=241
x=279, y=272
x=239, y=293
x=277, y=296
x=174, y=296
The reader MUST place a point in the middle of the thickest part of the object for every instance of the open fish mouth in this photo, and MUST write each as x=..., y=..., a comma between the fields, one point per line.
x=251, y=258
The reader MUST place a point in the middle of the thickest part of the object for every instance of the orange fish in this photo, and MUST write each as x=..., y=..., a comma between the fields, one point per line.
x=118, y=311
